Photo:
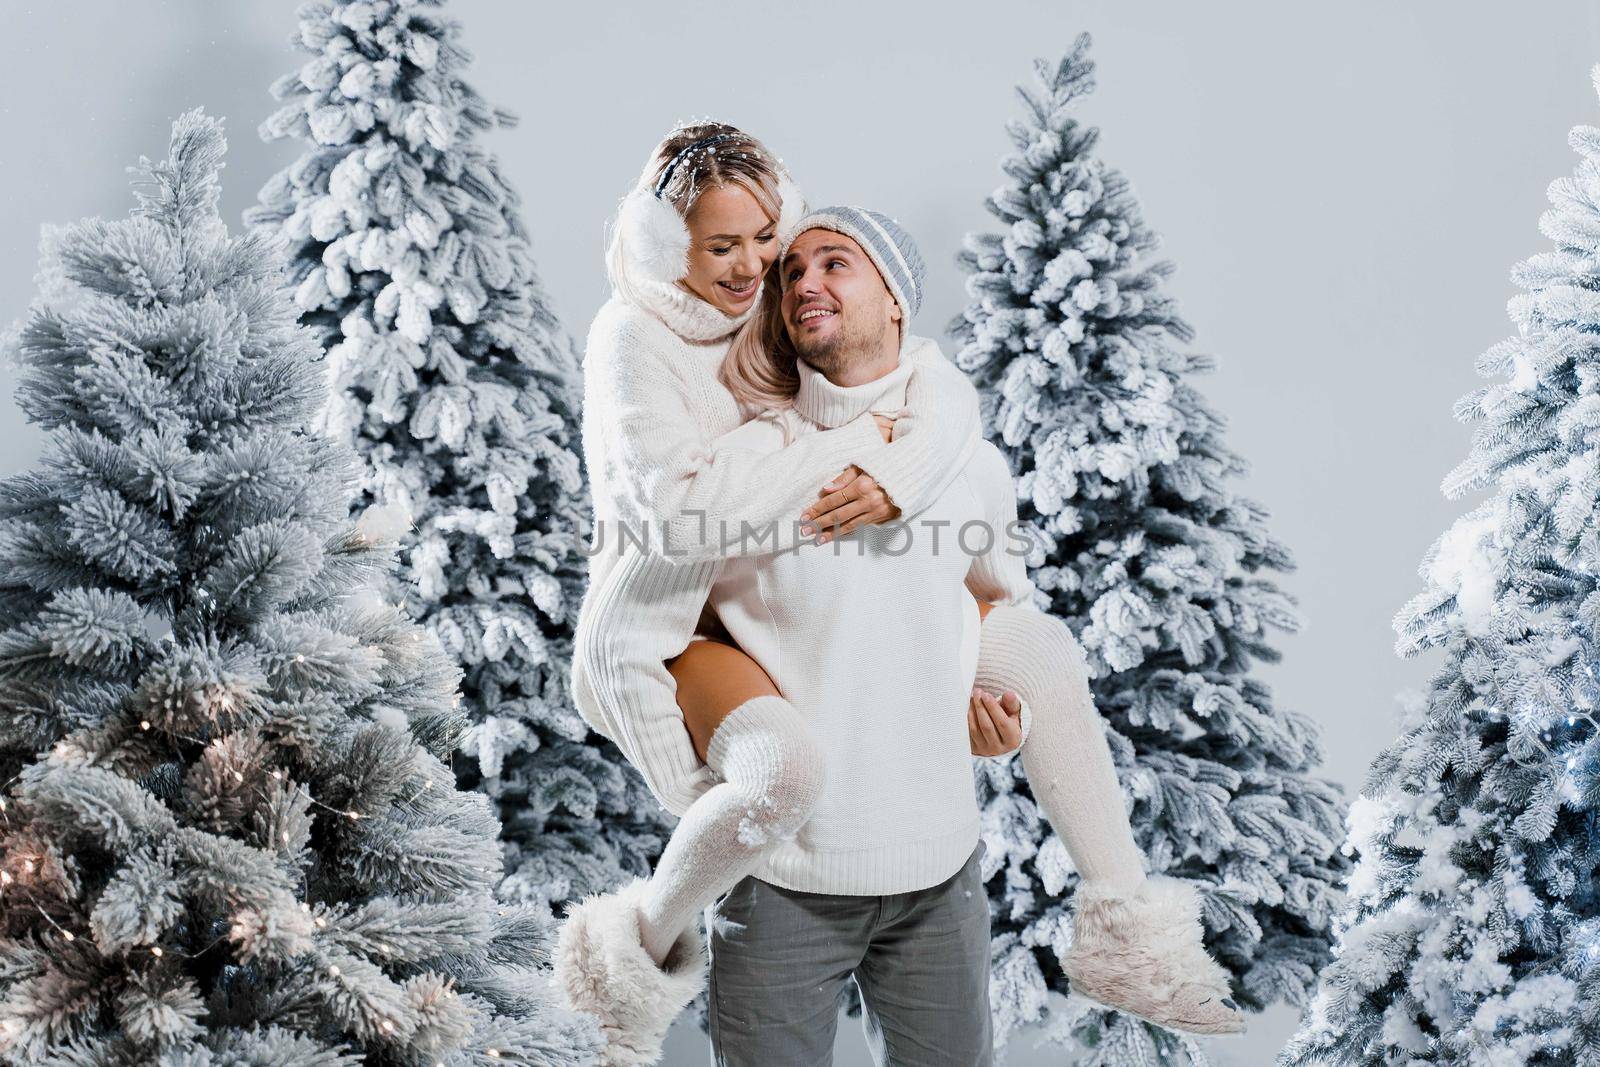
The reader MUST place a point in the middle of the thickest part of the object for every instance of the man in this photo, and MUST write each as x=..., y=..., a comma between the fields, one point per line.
x=883, y=882
x=877, y=636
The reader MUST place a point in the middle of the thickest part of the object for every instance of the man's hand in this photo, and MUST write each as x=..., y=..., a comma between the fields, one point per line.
x=994, y=726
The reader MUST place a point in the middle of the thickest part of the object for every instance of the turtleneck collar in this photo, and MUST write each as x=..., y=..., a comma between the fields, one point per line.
x=830, y=405
x=685, y=314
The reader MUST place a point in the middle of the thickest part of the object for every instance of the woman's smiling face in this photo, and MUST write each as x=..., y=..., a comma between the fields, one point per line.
x=732, y=242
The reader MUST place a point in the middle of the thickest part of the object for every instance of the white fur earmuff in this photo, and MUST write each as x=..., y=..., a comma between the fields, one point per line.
x=654, y=235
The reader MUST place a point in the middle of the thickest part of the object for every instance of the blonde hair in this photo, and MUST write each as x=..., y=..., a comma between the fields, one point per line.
x=759, y=368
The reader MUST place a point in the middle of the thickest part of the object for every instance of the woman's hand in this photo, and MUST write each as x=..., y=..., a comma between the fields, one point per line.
x=994, y=726
x=853, y=499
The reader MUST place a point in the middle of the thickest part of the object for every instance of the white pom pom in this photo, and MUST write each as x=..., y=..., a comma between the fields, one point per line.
x=793, y=209
x=654, y=237
x=383, y=522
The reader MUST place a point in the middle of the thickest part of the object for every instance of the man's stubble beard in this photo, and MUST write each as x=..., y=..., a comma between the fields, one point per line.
x=833, y=355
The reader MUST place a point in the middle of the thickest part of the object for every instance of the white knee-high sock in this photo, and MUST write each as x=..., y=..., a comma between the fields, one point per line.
x=772, y=776
x=1065, y=756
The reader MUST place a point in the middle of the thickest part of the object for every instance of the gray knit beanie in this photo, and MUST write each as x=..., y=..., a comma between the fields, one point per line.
x=890, y=248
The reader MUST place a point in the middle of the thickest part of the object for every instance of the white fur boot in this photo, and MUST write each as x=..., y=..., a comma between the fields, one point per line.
x=1142, y=953
x=601, y=967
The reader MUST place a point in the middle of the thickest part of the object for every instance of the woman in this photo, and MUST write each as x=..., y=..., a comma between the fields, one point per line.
x=712, y=737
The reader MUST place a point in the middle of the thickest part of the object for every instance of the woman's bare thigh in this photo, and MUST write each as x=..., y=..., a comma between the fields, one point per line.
x=714, y=678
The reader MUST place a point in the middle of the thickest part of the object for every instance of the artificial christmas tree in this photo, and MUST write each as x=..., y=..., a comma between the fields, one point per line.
x=1473, y=930
x=452, y=378
x=227, y=833
x=1160, y=568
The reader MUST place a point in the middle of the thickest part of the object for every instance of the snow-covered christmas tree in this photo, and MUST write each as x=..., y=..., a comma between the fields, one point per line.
x=452, y=378
x=1160, y=567
x=1473, y=930
x=227, y=831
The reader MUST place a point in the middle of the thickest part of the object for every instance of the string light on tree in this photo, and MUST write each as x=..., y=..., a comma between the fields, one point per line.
x=253, y=501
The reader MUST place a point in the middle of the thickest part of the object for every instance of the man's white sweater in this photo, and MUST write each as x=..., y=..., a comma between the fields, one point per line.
x=875, y=639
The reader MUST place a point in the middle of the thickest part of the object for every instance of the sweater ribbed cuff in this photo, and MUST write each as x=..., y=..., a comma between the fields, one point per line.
x=914, y=470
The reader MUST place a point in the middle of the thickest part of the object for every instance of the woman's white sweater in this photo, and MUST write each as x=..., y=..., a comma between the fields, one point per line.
x=653, y=410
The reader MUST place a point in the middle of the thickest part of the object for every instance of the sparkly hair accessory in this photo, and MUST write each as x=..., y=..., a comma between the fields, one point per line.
x=687, y=150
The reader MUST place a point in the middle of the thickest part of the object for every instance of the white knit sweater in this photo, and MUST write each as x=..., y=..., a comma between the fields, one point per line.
x=653, y=411
x=875, y=638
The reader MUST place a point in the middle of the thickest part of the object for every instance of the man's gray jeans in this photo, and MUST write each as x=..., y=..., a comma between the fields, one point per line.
x=780, y=960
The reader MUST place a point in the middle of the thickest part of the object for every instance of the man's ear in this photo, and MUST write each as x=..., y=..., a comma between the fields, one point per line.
x=894, y=309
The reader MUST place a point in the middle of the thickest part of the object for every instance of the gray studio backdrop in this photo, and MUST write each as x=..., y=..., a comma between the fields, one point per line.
x=1343, y=192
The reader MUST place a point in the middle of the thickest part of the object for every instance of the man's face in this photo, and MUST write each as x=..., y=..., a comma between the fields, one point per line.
x=836, y=308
